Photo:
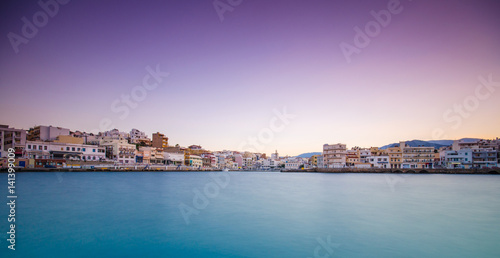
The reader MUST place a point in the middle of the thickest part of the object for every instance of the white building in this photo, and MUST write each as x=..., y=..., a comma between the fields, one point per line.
x=119, y=150
x=292, y=165
x=137, y=136
x=461, y=158
x=115, y=134
x=173, y=158
x=379, y=161
x=69, y=151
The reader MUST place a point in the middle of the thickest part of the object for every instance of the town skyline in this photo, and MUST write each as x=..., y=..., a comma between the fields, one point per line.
x=357, y=72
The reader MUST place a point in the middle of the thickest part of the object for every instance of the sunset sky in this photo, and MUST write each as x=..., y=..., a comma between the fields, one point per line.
x=225, y=77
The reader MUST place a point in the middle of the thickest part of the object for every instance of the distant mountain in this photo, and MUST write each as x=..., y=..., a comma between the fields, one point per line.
x=308, y=155
x=442, y=142
x=419, y=143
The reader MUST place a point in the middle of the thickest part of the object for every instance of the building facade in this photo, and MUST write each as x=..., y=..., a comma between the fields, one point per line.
x=334, y=155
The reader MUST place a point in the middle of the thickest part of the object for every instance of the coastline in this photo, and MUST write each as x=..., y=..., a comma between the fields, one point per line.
x=483, y=171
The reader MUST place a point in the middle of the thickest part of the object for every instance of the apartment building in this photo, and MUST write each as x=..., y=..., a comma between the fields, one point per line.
x=456, y=158
x=11, y=138
x=334, y=155
x=119, y=150
x=61, y=150
x=160, y=140
x=46, y=133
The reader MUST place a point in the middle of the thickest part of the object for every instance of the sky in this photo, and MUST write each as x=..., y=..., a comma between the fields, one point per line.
x=255, y=75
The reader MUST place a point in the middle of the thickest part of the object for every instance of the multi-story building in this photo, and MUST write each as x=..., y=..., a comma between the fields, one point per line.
x=115, y=134
x=456, y=158
x=173, y=158
x=160, y=140
x=417, y=157
x=11, y=138
x=119, y=150
x=321, y=163
x=334, y=156
x=139, y=137
x=67, y=151
x=404, y=156
x=396, y=156
x=209, y=159
x=352, y=158
x=46, y=133
x=379, y=161
x=313, y=161
x=293, y=165
x=375, y=151
x=484, y=157
x=149, y=155
x=194, y=161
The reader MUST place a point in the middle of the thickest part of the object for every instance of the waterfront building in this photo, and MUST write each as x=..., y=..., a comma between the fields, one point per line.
x=238, y=159
x=417, y=157
x=194, y=161
x=379, y=161
x=269, y=164
x=404, y=156
x=376, y=151
x=11, y=138
x=46, y=133
x=334, y=155
x=293, y=165
x=352, y=157
x=396, y=156
x=456, y=158
x=313, y=161
x=321, y=163
x=160, y=140
x=209, y=159
x=119, y=150
x=149, y=155
x=484, y=157
x=66, y=151
x=173, y=158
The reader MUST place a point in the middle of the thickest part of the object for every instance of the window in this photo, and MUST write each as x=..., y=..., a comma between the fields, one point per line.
x=29, y=146
x=72, y=148
x=83, y=149
x=45, y=147
x=78, y=149
x=40, y=147
x=67, y=148
x=93, y=150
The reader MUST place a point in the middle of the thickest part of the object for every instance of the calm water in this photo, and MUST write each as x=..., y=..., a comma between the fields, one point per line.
x=254, y=215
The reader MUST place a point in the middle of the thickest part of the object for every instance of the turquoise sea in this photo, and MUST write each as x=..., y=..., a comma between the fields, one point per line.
x=253, y=214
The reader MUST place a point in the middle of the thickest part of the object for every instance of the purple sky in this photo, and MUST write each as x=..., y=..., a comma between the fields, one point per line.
x=226, y=77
